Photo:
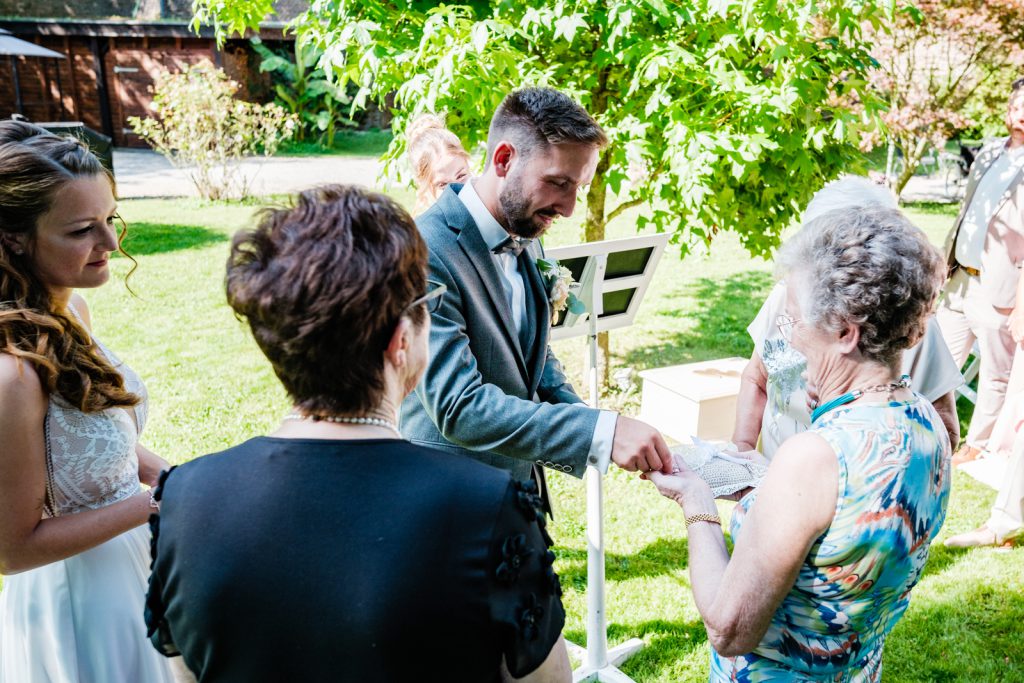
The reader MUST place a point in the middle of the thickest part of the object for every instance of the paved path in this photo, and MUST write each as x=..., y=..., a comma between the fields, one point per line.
x=144, y=173
x=928, y=189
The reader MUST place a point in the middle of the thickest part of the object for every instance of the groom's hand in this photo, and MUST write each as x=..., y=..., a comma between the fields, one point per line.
x=639, y=447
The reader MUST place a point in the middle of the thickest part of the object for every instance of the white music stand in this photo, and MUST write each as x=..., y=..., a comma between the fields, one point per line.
x=612, y=278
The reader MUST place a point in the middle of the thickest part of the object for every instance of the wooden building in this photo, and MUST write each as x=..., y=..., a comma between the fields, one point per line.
x=113, y=50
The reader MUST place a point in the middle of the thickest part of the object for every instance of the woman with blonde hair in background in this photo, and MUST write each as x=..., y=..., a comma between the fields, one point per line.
x=437, y=158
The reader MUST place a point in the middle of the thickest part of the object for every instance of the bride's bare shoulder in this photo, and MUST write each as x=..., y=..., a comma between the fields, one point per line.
x=19, y=381
x=82, y=308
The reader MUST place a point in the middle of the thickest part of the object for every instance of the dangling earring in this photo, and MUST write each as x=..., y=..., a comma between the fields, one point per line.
x=12, y=245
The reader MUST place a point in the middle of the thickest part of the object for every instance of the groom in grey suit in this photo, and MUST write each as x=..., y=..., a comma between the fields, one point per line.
x=493, y=390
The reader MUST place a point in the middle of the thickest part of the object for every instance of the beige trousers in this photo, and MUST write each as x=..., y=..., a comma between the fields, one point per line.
x=965, y=317
x=1007, y=518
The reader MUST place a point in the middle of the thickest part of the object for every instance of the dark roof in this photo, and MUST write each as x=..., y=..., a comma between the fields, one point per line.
x=125, y=28
x=142, y=10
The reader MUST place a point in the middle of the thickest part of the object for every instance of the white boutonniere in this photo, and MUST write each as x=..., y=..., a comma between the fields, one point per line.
x=559, y=284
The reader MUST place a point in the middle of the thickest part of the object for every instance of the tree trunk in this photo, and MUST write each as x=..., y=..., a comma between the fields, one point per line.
x=890, y=156
x=911, y=160
x=593, y=231
x=594, y=223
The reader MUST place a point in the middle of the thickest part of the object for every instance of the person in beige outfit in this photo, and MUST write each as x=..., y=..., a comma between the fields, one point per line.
x=1005, y=523
x=985, y=250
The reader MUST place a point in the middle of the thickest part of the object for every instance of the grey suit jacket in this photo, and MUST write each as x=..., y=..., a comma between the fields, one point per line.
x=486, y=392
x=1003, y=252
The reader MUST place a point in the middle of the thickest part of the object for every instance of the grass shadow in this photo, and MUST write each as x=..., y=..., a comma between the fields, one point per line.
x=664, y=556
x=144, y=239
x=973, y=636
x=668, y=642
x=723, y=309
x=941, y=558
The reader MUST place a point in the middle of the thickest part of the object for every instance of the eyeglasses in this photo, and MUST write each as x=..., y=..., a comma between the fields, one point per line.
x=432, y=298
x=785, y=324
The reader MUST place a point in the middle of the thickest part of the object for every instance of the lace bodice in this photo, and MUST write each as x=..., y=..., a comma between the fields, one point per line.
x=91, y=456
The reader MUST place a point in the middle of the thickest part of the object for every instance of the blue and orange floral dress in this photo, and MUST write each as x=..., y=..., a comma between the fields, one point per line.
x=894, y=478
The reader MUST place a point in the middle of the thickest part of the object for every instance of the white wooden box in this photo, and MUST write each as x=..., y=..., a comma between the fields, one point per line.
x=693, y=399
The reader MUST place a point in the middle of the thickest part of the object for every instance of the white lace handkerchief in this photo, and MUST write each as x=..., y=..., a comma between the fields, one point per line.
x=724, y=473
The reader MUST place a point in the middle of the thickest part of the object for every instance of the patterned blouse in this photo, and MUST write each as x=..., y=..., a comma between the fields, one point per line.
x=894, y=478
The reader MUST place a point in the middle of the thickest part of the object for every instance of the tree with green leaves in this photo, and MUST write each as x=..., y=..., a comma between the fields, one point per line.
x=934, y=61
x=304, y=90
x=723, y=114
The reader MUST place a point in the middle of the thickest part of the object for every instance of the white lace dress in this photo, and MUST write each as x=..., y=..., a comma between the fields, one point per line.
x=80, y=620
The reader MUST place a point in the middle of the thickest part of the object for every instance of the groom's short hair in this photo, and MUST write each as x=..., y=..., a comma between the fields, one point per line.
x=535, y=118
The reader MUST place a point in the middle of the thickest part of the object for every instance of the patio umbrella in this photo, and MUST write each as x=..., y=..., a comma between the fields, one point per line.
x=15, y=47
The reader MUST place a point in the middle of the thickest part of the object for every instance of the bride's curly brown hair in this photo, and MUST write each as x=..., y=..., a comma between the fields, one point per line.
x=34, y=165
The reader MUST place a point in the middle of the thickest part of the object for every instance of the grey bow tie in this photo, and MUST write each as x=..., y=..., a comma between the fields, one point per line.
x=512, y=245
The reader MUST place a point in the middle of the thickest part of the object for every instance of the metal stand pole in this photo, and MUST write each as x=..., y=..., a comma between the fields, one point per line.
x=600, y=663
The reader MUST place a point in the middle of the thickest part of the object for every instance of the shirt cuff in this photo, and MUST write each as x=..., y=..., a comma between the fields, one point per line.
x=600, y=455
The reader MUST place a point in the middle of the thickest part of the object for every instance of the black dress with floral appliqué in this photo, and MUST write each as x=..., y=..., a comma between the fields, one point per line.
x=375, y=560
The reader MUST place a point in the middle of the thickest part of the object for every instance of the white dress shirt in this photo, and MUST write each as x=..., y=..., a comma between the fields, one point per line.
x=970, y=241
x=600, y=453
x=508, y=266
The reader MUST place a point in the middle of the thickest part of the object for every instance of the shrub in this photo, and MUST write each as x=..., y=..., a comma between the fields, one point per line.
x=199, y=124
x=303, y=89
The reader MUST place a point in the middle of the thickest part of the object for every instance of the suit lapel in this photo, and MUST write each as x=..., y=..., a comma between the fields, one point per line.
x=982, y=164
x=472, y=244
x=526, y=336
x=979, y=168
x=1009, y=191
x=539, y=315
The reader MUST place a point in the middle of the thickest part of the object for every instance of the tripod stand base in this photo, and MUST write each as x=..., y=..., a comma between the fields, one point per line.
x=609, y=673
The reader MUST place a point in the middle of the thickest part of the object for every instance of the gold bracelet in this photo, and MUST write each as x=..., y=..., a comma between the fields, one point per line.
x=703, y=518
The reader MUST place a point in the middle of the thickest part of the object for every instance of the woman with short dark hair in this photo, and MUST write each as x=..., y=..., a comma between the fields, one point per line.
x=333, y=549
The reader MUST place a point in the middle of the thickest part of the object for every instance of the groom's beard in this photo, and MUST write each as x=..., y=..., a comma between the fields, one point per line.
x=515, y=207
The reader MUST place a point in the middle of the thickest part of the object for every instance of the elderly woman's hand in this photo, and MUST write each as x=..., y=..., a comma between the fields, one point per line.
x=753, y=455
x=682, y=485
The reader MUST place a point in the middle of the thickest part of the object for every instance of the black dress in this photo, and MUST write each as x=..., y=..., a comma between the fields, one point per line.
x=378, y=560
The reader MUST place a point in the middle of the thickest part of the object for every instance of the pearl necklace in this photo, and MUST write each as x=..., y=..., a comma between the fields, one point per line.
x=338, y=419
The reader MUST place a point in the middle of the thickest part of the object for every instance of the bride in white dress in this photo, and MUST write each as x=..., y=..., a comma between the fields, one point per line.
x=74, y=547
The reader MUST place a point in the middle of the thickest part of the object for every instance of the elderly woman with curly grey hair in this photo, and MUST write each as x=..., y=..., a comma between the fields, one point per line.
x=829, y=545
x=773, y=403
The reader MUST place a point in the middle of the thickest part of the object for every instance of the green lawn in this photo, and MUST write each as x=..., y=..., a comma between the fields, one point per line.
x=347, y=142
x=210, y=388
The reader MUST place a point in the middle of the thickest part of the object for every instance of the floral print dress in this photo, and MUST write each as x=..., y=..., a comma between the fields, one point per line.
x=894, y=479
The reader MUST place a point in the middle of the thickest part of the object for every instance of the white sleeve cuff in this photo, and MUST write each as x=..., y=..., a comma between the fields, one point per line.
x=600, y=455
